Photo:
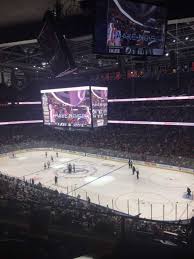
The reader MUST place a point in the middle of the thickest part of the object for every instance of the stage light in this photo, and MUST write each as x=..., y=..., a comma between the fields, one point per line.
x=16, y=68
x=187, y=38
x=167, y=54
x=44, y=64
x=34, y=66
x=174, y=40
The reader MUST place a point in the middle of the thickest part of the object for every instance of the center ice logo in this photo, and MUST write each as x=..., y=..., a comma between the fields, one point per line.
x=80, y=171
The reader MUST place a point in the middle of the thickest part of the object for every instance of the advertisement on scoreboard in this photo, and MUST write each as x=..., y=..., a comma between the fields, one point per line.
x=68, y=107
x=99, y=105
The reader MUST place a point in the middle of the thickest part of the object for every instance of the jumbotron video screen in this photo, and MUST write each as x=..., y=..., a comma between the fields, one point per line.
x=130, y=28
x=73, y=107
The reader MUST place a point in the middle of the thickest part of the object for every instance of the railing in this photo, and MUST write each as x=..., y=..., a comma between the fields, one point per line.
x=90, y=222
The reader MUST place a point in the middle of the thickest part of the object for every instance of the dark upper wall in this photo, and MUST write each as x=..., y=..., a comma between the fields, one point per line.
x=140, y=87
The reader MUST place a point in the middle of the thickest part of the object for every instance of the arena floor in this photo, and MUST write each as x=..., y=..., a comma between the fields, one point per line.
x=158, y=194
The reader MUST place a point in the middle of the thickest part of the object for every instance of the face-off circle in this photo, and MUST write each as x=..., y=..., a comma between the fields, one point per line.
x=81, y=171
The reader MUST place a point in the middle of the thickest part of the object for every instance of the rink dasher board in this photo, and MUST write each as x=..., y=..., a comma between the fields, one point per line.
x=150, y=164
x=73, y=152
x=43, y=149
x=164, y=166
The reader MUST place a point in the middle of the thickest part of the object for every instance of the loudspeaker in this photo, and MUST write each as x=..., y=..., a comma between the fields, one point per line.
x=55, y=47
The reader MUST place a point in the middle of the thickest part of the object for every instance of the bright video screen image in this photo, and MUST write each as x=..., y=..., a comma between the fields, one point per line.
x=99, y=105
x=68, y=107
x=131, y=28
x=81, y=107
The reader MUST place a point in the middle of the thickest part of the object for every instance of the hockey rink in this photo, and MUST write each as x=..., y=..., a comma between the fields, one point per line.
x=157, y=194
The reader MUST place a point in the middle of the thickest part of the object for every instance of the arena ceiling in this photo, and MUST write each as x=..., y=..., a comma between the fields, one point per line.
x=22, y=12
x=20, y=22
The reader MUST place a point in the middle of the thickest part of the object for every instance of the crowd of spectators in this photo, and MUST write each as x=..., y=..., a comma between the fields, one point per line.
x=82, y=216
x=75, y=214
x=20, y=112
x=150, y=86
x=173, y=145
x=152, y=111
x=62, y=207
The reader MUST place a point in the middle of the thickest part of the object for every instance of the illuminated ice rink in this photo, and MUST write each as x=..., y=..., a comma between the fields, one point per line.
x=158, y=194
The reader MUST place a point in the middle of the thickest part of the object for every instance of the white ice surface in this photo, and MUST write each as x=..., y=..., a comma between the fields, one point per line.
x=110, y=183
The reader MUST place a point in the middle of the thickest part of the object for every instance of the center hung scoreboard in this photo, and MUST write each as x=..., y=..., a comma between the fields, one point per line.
x=77, y=107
